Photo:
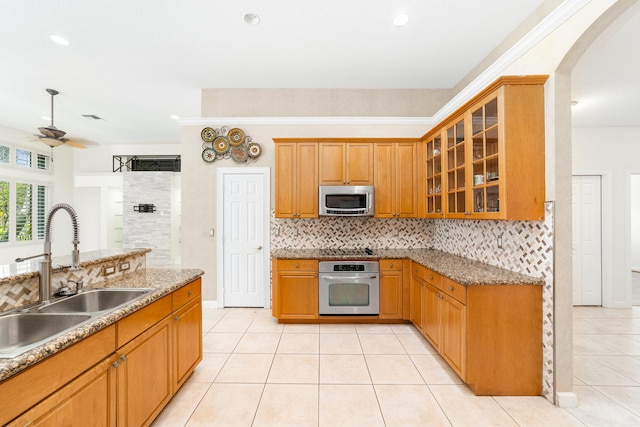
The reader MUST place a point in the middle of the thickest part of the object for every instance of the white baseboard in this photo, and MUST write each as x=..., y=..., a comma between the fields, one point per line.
x=209, y=304
x=566, y=399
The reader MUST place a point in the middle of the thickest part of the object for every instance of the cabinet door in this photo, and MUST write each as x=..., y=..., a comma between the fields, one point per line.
x=456, y=171
x=359, y=164
x=187, y=340
x=296, y=182
x=297, y=295
x=331, y=163
x=431, y=314
x=391, y=294
x=453, y=347
x=285, y=181
x=88, y=398
x=406, y=180
x=144, y=375
x=415, y=314
x=307, y=180
x=384, y=174
x=434, y=178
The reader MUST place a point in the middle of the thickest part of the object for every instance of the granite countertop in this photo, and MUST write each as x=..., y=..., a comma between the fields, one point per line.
x=163, y=280
x=462, y=270
x=27, y=269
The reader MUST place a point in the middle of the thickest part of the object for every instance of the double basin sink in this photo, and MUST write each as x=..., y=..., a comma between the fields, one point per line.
x=23, y=330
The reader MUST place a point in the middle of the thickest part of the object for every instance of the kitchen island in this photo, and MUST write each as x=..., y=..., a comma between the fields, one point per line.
x=122, y=366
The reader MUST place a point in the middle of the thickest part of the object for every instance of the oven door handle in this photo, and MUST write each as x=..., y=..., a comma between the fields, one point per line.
x=322, y=276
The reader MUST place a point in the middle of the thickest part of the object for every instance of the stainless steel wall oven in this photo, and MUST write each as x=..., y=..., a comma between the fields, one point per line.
x=349, y=288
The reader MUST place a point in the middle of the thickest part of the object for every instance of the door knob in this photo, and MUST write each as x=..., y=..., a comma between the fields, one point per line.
x=259, y=248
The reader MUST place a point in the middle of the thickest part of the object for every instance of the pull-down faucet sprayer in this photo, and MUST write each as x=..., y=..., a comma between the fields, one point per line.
x=45, y=264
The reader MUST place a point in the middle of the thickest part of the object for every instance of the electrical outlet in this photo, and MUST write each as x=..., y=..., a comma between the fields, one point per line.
x=108, y=269
x=500, y=241
x=123, y=266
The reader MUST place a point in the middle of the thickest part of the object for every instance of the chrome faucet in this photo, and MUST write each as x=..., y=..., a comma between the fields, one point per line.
x=45, y=268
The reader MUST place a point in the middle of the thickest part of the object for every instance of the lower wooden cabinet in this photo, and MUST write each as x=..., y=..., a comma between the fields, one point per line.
x=146, y=357
x=295, y=289
x=391, y=284
x=491, y=336
x=144, y=383
x=88, y=400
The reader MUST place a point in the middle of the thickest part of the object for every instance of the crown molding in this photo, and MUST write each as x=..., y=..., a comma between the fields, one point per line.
x=249, y=121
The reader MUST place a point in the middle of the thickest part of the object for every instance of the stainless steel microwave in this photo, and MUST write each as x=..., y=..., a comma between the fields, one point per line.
x=346, y=200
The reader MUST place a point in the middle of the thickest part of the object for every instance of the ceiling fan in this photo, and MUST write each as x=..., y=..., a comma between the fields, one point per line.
x=51, y=135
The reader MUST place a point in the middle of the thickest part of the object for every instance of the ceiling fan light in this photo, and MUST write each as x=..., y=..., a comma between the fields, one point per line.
x=52, y=142
x=59, y=39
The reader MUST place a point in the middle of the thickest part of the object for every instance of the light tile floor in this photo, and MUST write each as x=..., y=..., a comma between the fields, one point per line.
x=256, y=372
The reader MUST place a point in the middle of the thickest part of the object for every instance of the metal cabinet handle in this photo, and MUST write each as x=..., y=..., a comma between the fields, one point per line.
x=451, y=288
x=391, y=265
x=115, y=364
x=190, y=293
x=123, y=357
x=297, y=265
x=430, y=277
x=176, y=318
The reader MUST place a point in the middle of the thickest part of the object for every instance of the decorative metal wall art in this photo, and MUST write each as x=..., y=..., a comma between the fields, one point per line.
x=224, y=143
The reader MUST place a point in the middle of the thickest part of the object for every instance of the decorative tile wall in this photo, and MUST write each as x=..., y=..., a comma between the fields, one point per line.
x=350, y=233
x=148, y=230
x=527, y=248
x=24, y=292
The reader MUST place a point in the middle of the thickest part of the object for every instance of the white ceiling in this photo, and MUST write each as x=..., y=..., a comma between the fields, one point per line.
x=136, y=63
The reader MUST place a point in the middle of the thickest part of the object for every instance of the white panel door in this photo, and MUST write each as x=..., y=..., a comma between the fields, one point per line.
x=587, y=240
x=243, y=235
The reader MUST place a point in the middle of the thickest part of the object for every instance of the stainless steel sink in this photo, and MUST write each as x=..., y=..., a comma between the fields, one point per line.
x=94, y=300
x=20, y=332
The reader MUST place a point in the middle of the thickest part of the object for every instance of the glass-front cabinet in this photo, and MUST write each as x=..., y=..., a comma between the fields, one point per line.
x=456, y=169
x=435, y=181
x=493, y=155
x=485, y=158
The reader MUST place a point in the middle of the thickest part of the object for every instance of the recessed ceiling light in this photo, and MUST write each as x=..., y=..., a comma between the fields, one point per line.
x=174, y=117
x=59, y=39
x=401, y=20
x=251, y=18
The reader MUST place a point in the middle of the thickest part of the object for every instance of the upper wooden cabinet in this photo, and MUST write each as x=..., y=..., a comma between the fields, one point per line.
x=396, y=179
x=345, y=163
x=494, y=155
x=296, y=180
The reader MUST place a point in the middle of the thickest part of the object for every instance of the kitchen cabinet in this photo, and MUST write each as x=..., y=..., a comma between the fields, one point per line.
x=494, y=154
x=92, y=393
x=295, y=289
x=345, y=163
x=144, y=384
x=391, y=289
x=296, y=180
x=396, y=180
x=435, y=182
x=122, y=375
x=187, y=331
x=491, y=336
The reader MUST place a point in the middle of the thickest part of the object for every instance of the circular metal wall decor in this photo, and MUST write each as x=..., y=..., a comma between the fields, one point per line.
x=223, y=143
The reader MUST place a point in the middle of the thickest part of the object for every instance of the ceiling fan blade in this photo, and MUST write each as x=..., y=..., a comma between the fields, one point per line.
x=75, y=144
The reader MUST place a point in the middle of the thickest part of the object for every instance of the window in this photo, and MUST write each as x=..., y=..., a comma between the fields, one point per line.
x=5, y=154
x=23, y=208
x=43, y=162
x=23, y=158
x=4, y=211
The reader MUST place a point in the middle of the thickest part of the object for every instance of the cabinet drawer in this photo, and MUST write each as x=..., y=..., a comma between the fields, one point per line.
x=138, y=322
x=390, y=265
x=454, y=289
x=298, y=264
x=432, y=277
x=417, y=270
x=186, y=293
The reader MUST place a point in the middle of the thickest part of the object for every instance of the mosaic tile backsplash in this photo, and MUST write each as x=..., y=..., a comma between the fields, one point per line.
x=527, y=248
